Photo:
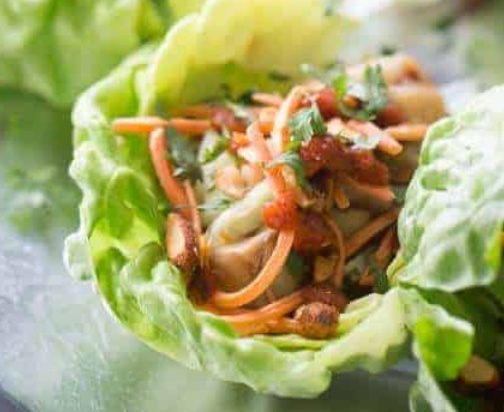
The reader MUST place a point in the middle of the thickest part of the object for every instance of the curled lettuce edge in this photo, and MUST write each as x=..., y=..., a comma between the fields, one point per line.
x=442, y=343
x=121, y=214
x=456, y=202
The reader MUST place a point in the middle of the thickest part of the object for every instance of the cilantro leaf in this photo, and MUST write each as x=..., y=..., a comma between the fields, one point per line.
x=381, y=284
x=372, y=94
x=220, y=145
x=304, y=125
x=183, y=153
x=292, y=159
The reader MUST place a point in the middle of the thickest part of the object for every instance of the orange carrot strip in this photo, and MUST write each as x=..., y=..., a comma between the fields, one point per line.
x=340, y=197
x=164, y=171
x=262, y=152
x=208, y=307
x=280, y=135
x=386, y=144
x=364, y=235
x=190, y=126
x=268, y=99
x=199, y=111
x=384, y=251
x=257, y=141
x=138, y=124
x=275, y=310
x=339, y=269
x=193, y=208
x=383, y=193
x=408, y=132
x=264, y=279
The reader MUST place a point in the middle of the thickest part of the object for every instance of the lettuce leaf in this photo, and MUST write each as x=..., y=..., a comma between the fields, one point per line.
x=236, y=44
x=450, y=227
x=450, y=232
x=58, y=48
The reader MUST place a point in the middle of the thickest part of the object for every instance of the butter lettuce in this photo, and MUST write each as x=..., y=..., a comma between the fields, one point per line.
x=450, y=228
x=118, y=245
x=451, y=245
x=58, y=48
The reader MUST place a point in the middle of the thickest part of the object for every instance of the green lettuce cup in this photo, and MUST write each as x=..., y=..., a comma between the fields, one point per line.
x=58, y=49
x=224, y=51
x=451, y=237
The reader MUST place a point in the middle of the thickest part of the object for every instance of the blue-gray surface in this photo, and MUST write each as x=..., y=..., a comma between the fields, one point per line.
x=59, y=350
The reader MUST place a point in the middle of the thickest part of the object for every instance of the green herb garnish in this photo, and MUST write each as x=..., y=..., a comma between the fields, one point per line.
x=304, y=125
x=381, y=284
x=292, y=159
x=183, y=153
x=220, y=145
x=372, y=94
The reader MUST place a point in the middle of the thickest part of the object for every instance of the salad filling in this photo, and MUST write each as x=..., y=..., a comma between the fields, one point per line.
x=283, y=208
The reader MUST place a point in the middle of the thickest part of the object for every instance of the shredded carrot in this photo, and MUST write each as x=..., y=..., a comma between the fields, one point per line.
x=193, y=208
x=384, y=251
x=209, y=307
x=373, y=228
x=340, y=197
x=138, y=124
x=386, y=144
x=199, y=111
x=408, y=132
x=339, y=269
x=262, y=152
x=257, y=141
x=264, y=279
x=164, y=171
x=280, y=135
x=266, y=119
x=190, y=126
x=268, y=99
x=283, y=325
x=275, y=310
x=383, y=193
x=149, y=124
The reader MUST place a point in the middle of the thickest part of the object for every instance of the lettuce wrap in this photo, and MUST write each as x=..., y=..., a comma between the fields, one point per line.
x=225, y=50
x=57, y=49
x=451, y=237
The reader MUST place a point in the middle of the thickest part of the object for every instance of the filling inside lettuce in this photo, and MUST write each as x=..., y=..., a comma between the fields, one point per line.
x=282, y=207
x=238, y=213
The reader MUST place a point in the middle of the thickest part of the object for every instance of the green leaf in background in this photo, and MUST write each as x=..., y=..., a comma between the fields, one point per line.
x=38, y=193
x=58, y=48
